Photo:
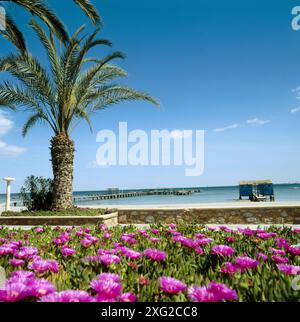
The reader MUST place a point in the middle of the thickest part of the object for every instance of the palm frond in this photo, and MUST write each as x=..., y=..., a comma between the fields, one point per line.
x=88, y=8
x=39, y=8
x=14, y=35
x=32, y=120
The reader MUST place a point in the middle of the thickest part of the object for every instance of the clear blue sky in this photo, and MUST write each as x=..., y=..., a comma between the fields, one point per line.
x=212, y=65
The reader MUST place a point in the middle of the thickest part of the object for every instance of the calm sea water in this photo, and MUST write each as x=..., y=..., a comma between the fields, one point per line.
x=283, y=192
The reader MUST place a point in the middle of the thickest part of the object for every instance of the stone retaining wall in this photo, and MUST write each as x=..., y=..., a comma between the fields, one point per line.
x=234, y=215
x=109, y=220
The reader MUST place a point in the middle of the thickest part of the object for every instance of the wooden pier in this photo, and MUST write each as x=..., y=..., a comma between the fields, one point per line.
x=131, y=194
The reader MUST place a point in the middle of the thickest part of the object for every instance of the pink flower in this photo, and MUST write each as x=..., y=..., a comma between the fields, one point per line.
x=204, y=241
x=279, y=259
x=171, y=285
x=199, y=250
x=130, y=253
x=154, y=240
x=128, y=297
x=107, y=286
x=39, y=230
x=42, y=266
x=68, y=296
x=262, y=256
x=293, y=249
x=289, y=269
x=185, y=241
x=223, y=250
x=155, y=231
x=172, y=226
x=108, y=259
x=247, y=231
x=67, y=251
x=26, y=252
x=230, y=239
x=277, y=251
x=245, y=262
x=214, y=292
x=22, y=284
x=16, y=262
x=88, y=240
x=266, y=235
x=128, y=239
x=228, y=268
x=106, y=236
x=155, y=254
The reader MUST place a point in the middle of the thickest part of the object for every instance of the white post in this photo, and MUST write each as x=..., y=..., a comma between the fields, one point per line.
x=8, y=182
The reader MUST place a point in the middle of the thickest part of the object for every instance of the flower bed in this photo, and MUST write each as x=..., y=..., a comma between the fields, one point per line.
x=162, y=263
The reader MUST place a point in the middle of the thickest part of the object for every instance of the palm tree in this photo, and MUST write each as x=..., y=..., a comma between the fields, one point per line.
x=75, y=87
x=40, y=9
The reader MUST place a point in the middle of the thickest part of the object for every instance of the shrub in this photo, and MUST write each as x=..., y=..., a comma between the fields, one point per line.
x=37, y=193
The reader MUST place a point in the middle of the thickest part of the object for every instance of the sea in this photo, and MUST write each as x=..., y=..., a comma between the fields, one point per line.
x=283, y=193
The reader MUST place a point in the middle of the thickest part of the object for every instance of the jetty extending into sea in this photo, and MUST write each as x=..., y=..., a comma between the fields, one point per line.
x=139, y=193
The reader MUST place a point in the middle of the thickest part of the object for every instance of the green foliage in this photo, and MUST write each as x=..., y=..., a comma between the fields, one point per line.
x=74, y=87
x=37, y=193
x=68, y=212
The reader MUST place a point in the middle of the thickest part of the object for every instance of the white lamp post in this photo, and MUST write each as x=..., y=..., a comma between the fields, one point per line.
x=8, y=182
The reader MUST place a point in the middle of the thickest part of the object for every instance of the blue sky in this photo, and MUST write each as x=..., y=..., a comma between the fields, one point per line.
x=225, y=67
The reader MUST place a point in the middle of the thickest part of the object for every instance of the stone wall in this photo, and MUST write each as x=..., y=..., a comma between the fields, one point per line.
x=234, y=215
x=108, y=219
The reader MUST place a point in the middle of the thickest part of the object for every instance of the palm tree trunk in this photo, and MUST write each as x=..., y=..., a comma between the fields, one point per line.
x=62, y=154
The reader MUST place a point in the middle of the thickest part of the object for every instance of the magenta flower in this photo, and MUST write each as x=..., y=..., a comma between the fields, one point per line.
x=228, y=268
x=199, y=236
x=68, y=296
x=26, y=252
x=171, y=285
x=247, y=231
x=41, y=287
x=293, y=249
x=262, y=256
x=154, y=240
x=223, y=250
x=155, y=254
x=277, y=251
x=22, y=285
x=39, y=230
x=245, y=262
x=130, y=253
x=108, y=259
x=204, y=241
x=16, y=262
x=172, y=226
x=42, y=266
x=155, y=231
x=128, y=297
x=289, y=269
x=279, y=260
x=106, y=236
x=102, y=227
x=230, y=239
x=199, y=250
x=87, y=241
x=266, y=235
x=185, y=241
x=128, y=239
x=107, y=286
x=7, y=249
x=214, y=292
x=67, y=251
